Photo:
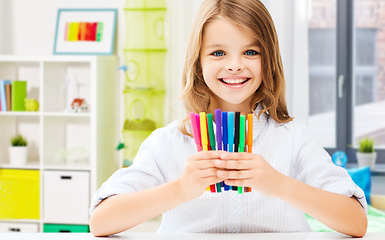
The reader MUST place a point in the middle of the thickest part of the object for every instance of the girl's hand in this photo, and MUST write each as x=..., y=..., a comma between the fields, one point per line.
x=250, y=170
x=199, y=173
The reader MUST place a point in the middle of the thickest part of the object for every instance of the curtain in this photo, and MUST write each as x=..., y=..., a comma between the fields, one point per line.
x=290, y=18
x=180, y=15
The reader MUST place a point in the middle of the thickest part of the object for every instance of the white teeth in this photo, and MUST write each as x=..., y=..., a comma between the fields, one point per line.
x=233, y=81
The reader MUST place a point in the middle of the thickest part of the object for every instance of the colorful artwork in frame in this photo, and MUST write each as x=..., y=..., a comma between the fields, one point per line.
x=85, y=31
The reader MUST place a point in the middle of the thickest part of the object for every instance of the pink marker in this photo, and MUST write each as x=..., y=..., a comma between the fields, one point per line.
x=198, y=121
x=195, y=131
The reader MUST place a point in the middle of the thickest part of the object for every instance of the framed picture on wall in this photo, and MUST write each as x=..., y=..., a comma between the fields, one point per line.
x=85, y=31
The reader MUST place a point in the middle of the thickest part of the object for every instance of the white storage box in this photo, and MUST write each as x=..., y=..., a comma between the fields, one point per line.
x=19, y=227
x=66, y=197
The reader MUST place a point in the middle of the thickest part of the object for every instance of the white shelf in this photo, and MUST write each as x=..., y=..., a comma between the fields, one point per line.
x=65, y=167
x=20, y=220
x=20, y=113
x=35, y=165
x=51, y=130
x=66, y=114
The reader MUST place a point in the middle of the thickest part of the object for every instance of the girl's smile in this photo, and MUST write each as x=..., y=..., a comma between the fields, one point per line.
x=231, y=64
x=234, y=81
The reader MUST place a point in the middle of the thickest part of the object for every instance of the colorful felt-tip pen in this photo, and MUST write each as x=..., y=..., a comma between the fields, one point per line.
x=211, y=131
x=195, y=131
x=242, y=123
x=236, y=132
x=249, y=139
x=203, y=124
x=224, y=130
x=230, y=130
x=249, y=133
x=218, y=124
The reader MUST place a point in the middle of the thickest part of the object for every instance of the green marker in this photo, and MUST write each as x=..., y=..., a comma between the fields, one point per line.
x=212, y=141
x=211, y=131
x=242, y=136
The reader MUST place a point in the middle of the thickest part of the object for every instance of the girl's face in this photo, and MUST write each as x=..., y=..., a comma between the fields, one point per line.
x=231, y=64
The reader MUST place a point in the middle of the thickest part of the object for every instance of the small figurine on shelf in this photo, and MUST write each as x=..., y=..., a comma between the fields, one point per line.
x=31, y=105
x=79, y=105
x=72, y=87
x=73, y=156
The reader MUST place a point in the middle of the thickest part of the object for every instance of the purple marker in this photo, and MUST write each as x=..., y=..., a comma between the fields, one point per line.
x=224, y=128
x=218, y=123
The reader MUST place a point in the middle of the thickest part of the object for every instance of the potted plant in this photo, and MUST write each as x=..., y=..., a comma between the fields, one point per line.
x=366, y=156
x=18, y=151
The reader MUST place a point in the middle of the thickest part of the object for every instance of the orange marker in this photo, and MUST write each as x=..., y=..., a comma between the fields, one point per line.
x=249, y=133
x=249, y=139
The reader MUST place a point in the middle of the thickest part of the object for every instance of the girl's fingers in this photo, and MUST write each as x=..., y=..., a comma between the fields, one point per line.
x=213, y=180
x=236, y=155
x=205, y=155
x=234, y=174
x=205, y=164
x=238, y=182
x=234, y=164
x=209, y=172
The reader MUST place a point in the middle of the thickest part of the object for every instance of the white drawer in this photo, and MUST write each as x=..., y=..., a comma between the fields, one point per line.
x=6, y=227
x=66, y=197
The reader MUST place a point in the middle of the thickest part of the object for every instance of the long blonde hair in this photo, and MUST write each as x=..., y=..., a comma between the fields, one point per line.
x=252, y=16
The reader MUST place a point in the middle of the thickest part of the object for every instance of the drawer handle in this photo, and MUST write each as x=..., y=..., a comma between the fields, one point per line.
x=66, y=177
x=64, y=231
x=14, y=229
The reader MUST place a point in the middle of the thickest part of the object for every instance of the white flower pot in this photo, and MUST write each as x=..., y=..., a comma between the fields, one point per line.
x=18, y=155
x=366, y=159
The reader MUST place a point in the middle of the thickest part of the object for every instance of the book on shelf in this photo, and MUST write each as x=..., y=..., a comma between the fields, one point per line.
x=8, y=92
x=19, y=93
x=12, y=95
x=3, y=95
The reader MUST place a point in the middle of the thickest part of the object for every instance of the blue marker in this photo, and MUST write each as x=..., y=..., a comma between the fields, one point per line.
x=230, y=131
x=224, y=140
x=224, y=130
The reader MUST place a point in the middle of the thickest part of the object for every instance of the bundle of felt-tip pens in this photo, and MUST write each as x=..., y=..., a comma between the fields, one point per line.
x=230, y=136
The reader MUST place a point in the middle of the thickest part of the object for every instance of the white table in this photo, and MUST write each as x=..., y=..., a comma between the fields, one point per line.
x=187, y=236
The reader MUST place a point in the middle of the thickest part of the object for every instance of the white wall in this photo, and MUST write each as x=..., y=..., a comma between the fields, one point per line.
x=180, y=16
x=2, y=24
x=30, y=28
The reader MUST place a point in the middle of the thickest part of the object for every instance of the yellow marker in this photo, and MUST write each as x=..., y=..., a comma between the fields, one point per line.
x=204, y=139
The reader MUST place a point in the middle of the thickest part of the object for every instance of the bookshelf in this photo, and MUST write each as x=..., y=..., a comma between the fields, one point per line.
x=89, y=138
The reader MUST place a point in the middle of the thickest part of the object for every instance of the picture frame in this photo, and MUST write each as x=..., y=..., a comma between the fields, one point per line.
x=85, y=31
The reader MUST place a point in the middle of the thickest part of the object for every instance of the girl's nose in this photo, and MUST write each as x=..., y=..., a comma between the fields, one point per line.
x=234, y=65
x=234, y=69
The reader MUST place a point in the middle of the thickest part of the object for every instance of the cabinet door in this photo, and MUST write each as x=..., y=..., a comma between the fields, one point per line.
x=19, y=227
x=66, y=197
x=19, y=194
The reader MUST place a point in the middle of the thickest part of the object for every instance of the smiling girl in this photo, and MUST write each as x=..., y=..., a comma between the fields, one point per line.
x=232, y=63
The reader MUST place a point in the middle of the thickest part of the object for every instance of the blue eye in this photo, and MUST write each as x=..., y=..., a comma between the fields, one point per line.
x=218, y=53
x=251, y=52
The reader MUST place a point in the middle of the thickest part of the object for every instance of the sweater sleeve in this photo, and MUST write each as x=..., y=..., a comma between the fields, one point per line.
x=143, y=174
x=314, y=166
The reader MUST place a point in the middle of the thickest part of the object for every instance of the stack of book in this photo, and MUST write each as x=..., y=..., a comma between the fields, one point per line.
x=12, y=95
